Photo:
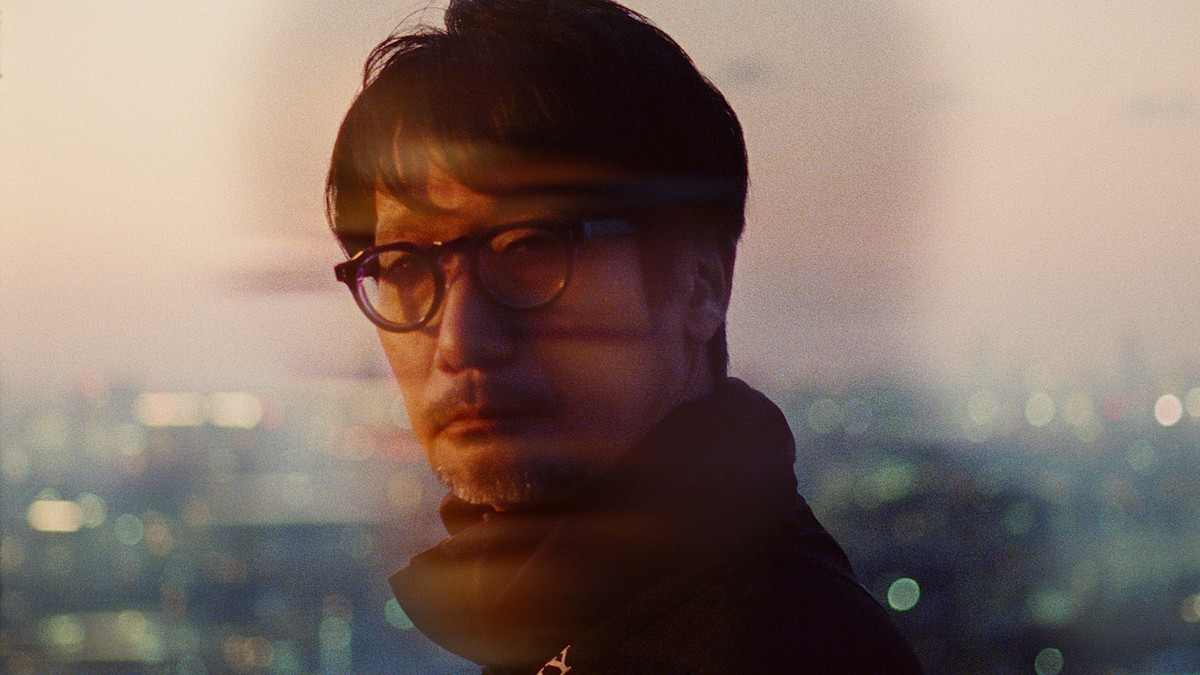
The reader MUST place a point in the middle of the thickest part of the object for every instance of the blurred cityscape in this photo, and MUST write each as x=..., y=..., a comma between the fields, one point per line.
x=1014, y=524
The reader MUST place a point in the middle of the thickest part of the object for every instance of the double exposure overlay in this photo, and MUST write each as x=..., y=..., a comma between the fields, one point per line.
x=968, y=280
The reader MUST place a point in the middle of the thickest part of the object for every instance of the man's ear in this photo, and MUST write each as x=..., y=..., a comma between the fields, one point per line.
x=709, y=292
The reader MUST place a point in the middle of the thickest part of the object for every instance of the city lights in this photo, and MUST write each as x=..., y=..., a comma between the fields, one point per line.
x=157, y=537
x=335, y=634
x=885, y=483
x=227, y=505
x=1078, y=409
x=824, y=416
x=1189, y=608
x=137, y=632
x=1051, y=607
x=100, y=637
x=246, y=654
x=969, y=279
x=166, y=409
x=92, y=510
x=1192, y=402
x=49, y=431
x=1039, y=409
x=903, y=594
x=63, y=633
x=129, y=529
x=1049, y=661
x=46, y=515
x=1168, y=410
x=238, y=410
x=230, y=409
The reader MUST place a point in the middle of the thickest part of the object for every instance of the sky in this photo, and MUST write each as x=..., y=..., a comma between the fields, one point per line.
x=940, y=190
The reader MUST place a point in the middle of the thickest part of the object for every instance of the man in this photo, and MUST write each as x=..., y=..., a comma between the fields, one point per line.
x=542, y=203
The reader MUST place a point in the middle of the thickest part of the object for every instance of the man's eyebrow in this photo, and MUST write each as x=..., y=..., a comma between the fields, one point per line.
x=402, y=228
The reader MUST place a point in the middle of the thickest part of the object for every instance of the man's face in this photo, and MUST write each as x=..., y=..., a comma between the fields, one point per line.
x=517, y=408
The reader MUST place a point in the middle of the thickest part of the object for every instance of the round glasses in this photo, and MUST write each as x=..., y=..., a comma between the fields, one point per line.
x=521, y=266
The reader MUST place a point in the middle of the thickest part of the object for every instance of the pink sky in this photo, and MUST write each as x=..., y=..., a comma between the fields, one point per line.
x=929, y=176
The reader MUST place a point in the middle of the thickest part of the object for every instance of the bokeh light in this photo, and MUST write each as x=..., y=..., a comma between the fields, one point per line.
x=1189, y=608
x=238, y=410
x=129, y=529
x=824, y=415
x=888, y=482
x=1039, y=409
x=136, y=631
x=1051, y=607
x=92, y=509
x=167, y=409
x=1192, y=402
x=1168, y=410
x=63, y=632
x=1048, y=661
x=903, y=594
x=395, y=616
x=54, y=515
x=334, y=635
x=247, y=653
x=285, y=658
x=1078, y=409
x=158, y=539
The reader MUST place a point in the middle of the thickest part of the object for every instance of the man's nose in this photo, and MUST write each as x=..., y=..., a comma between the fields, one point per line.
x=473, y=331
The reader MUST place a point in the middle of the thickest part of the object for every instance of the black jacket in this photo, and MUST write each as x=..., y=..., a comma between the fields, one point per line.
x=694, y=554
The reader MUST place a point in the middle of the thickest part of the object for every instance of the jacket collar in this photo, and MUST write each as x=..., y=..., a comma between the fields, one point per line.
x=510, y=589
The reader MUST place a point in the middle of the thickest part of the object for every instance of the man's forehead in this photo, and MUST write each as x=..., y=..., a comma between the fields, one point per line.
x=460, y=187
x=515, y=176
x=543, y=176
x=499, y=190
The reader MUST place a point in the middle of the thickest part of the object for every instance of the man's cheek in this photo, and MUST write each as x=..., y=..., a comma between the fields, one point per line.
x=409, y=359
x=599, y=375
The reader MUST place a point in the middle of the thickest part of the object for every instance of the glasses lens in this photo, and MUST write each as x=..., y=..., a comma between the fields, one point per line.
x=400, y=286
x=525, y=267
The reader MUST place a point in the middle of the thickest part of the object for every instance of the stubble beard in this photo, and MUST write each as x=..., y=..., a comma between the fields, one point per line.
x=524, y=482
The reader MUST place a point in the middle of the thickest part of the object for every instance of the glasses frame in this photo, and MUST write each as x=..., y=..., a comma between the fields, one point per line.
x=573, y=232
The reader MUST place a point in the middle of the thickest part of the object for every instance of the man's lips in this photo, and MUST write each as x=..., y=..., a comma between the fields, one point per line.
x=491, y=420
x=475, y=403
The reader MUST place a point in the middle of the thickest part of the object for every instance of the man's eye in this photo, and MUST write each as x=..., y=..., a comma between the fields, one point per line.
x=402, y=270
x=524, y=241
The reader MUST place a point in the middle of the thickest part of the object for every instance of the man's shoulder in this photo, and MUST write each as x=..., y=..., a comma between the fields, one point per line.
x=786, y=609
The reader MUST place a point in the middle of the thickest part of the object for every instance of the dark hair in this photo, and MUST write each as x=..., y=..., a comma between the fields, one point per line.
x=566, y=79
